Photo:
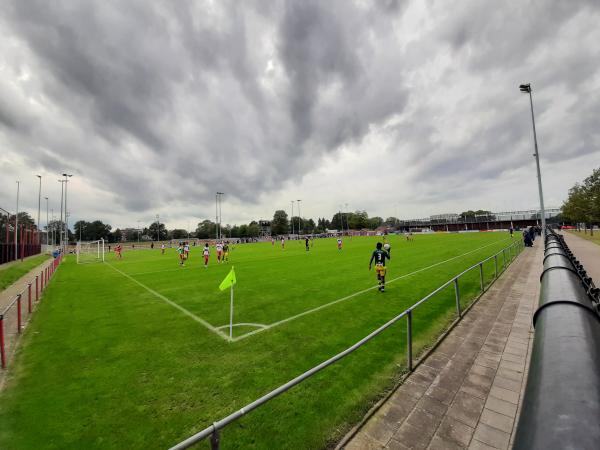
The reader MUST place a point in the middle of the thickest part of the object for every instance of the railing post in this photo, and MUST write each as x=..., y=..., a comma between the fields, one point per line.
x=37, y=289
x=496, y=265
x=215, y=443
x=19, y=313
x=409, y=340
x=503, y=260
x=29, y=298
x=2, y=353
x=42, y=281
x=481, y=275
x=457, y=295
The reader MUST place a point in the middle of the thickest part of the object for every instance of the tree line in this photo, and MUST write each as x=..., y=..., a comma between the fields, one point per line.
x=583, y=203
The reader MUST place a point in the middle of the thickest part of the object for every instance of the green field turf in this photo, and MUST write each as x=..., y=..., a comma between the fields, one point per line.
x=13, y=271
x=110, y=362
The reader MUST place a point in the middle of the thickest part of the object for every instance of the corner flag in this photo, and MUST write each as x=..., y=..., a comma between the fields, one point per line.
x=228, y=281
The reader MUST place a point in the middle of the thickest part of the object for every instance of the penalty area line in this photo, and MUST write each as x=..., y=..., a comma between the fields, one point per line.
x=173, y=304
x=355, y=294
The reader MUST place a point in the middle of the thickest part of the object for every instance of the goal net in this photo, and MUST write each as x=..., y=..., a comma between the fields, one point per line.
x=88, y=252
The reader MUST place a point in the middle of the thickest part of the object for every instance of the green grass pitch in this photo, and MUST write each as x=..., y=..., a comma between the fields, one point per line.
x=129, y=354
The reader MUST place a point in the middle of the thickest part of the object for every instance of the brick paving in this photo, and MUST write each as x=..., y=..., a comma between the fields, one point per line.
x=466, y=394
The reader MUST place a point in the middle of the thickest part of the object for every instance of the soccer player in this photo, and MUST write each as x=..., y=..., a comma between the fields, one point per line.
x=186, y=250
x=225, y=252
x=380, y=255
x=219, y=248
x=339, y=243
x=206, y=254
x=307, y=243
x=162, y=249
x=282, y=242
x=118, y=250
x=181, y=254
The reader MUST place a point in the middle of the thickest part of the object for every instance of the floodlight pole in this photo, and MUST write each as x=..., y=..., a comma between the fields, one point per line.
x=158, y=228
x=299, y=218
x=292, y=217
x=220, y=194
x=47, y=224
x=66, y=226
x=17, y=223
x=527, y=89
x=39, y=201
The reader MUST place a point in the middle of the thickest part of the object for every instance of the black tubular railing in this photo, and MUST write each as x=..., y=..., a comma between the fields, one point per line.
x=561, y=405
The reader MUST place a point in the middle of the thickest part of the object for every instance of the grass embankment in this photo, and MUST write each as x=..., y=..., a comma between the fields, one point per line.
x=109, y=364
x=586, y=235
x=13, y=271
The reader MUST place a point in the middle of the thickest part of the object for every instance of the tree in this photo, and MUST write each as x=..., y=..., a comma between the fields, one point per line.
x=375, y=222
x=391, y=221
x=253, y=229
x=280, y=224
x=206, y=230
x=583, y=203
x=162, y=231
x=117, y=236
x=338, y=221
x=358, y=220
x=323, y=224
x=309, y=226
x=178, y=233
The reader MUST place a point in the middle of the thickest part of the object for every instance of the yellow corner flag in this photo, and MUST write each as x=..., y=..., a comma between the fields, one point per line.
x=228, y=281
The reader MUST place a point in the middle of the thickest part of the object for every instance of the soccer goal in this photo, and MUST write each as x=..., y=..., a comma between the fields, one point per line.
x=88, y=252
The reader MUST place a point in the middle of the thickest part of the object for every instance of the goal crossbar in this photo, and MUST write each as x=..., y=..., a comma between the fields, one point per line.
x=88, y=252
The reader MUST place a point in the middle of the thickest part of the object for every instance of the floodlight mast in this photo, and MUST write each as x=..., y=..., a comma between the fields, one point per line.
x=17, y=224
x=299, y=218
x=526, y=88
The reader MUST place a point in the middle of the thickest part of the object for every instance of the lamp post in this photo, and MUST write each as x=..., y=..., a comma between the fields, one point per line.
x=158, y=228
x=60, y=230
x=67, y=176
x=219, y=200
x=17, y=224
x=47, y=225
x=138, y=230
x=39, y=202
x=292, y=217
x=526, y=88
x=299, y=218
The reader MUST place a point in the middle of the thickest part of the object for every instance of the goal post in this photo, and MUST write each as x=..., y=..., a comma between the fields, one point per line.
x=88, y=252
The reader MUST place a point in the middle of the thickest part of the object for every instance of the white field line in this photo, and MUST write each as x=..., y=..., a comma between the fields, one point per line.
x=355, y=294
x=173, y=304
x=257, y=325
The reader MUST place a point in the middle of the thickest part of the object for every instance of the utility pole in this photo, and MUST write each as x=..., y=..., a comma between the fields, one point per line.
x=66, y=227
x=158, y=228
x=292, y=217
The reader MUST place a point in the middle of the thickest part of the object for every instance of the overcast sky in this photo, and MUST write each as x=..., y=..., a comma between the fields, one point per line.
x=405, y=108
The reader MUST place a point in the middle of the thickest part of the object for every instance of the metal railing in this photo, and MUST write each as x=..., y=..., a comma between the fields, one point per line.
x=561, y=404
x=507, y=255
x=12, y=317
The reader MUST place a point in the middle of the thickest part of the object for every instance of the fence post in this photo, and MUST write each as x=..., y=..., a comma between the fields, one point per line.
x=481, y=275
x=457, y=295
x=42, y=281
x=214, y=440
x=409, y=340
x=19, y=313
x=2, y=354
x=496, y=265
x=503, y=260
x=29, y=298
x=37, y=289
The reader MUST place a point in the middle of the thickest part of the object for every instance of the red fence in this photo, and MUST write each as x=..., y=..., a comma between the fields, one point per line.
x=28, y=243
x=18, y=312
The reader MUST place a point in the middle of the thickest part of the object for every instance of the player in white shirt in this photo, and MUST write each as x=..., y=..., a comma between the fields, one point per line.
x=162, y=249
x=219, y=248
x=339, y=243
x=206, y=254
x=186, y=250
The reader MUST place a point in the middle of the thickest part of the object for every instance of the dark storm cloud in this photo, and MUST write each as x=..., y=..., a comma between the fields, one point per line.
x=187, y=88
x=166, y=102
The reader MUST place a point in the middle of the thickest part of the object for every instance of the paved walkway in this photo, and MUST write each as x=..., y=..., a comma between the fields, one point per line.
x=8, y=294
x=466, y=394
x=588, y=254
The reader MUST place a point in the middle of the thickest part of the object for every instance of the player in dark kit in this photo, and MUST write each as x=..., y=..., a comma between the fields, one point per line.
x=380, y=255
x=307, y=243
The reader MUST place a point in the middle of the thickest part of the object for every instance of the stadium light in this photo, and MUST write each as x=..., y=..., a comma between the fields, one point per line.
x=158, y=228
x=17, y=223
x=292, y=217
x=526, y=88
x=66, y=225
x=47, y=225
x=299, y=218
x=39, y=201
